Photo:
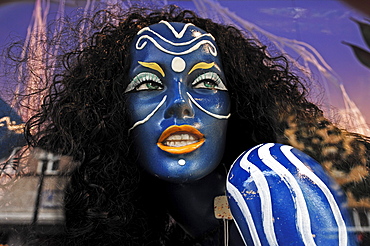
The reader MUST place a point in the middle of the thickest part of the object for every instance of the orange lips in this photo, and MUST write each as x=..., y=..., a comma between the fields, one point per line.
x=180, y=139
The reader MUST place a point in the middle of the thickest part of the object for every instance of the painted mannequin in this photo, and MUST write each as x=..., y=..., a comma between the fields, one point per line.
x=124, y=105
x=179, y=108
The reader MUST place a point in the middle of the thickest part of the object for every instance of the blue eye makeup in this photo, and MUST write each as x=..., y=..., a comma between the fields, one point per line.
x=144, y=82
x=209, y=80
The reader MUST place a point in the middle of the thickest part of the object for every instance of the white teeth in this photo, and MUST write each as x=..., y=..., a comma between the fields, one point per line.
x=175, y=137
x=178, y=140
x=179, y=143
x=183, y=136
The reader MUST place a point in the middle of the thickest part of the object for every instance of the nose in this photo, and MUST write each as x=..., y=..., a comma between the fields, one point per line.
x=179, y=104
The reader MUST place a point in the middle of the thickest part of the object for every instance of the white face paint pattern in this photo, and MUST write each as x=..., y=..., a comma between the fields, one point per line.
x=175, y=33
x=163, y=101
x=217, y=116
x=149, y=115
x=181, y=162
x=178, y=35
x=178, y=64
x=213, y=50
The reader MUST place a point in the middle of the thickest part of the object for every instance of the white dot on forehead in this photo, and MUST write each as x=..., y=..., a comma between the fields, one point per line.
x=181, y=162
x=178, y=64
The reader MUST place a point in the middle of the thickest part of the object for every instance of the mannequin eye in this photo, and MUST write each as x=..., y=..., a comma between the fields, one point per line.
x=145, y=82
x=210, y=81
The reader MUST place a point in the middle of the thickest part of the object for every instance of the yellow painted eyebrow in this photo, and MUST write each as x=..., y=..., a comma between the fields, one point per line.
x=201, y=65
x=152, y=65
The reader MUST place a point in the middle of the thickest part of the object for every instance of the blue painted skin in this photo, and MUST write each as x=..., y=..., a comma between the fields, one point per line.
x=177, y=108
x=325, y=202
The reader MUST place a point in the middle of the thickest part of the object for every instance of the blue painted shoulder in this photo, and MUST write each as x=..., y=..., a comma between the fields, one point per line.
x=280, y=196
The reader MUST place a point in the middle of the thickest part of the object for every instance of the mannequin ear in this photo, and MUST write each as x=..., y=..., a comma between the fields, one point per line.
x=280, y=196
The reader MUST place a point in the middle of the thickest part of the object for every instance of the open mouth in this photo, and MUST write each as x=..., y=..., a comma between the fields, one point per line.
x=180, y=139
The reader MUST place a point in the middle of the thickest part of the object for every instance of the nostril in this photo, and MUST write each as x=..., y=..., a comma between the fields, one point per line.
x=187, y=112
x=169, y=113
x=179, y=111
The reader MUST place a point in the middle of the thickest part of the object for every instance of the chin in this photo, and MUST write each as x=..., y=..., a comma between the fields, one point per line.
x=181, y=169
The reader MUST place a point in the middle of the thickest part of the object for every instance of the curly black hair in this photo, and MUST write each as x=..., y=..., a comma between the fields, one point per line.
x=84, y=116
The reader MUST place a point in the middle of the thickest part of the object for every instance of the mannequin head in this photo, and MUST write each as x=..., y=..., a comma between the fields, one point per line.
x=178, y=101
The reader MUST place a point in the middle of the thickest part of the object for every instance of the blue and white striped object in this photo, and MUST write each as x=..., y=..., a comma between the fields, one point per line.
x=280, y=196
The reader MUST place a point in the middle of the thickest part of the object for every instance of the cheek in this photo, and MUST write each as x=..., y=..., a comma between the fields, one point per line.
x=136, y=112
x=215, y=131
x=216, y=102
x=142, y=107
x=145, y=115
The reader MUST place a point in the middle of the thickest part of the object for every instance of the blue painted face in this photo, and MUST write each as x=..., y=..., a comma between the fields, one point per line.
x=178, y=101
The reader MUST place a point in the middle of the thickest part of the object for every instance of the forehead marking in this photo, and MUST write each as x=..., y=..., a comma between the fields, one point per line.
x=175, y=33
x=178, y=64
x=201, y=65
x=143, y=40
x=178, y=35
x=153, y=65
